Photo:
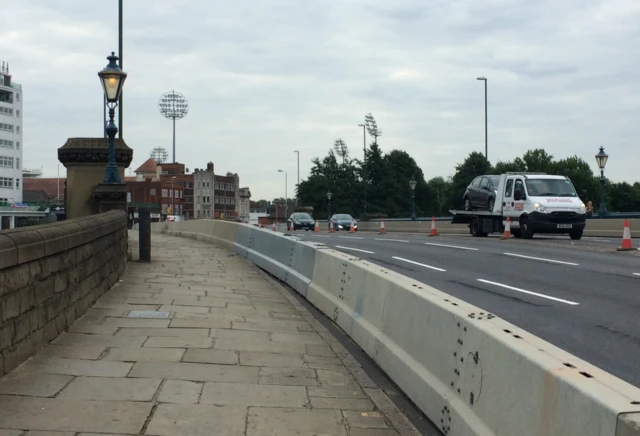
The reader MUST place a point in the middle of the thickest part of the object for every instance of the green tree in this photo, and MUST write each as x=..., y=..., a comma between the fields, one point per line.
x=538, y=161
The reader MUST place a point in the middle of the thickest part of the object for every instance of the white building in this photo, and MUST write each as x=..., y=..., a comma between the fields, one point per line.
x=245, y=204
x=10, y=146
x=204, y=192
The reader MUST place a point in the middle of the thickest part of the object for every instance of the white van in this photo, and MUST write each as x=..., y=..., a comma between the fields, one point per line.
x=534, y=203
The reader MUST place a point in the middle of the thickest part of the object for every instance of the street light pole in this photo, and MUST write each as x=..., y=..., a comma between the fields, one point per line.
x=364, y=164
x=602, y=158
x=486, y=130
x=412, y=186
x=286, y=200
x=173, y=195
x=329, y=198
x=298, y=185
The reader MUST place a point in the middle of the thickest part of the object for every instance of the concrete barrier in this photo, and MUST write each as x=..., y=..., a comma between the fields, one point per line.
x=469, y=371
x=606, y=228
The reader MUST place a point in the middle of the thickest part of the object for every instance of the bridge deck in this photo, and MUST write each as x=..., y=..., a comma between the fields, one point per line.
x=199, y=342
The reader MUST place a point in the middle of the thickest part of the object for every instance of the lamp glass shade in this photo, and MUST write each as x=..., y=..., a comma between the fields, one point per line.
x=412, y=183
x=602, y=158
x=112, y=79
x=329, y=194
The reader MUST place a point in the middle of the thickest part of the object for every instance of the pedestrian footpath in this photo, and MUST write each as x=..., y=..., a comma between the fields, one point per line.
x=198, y=342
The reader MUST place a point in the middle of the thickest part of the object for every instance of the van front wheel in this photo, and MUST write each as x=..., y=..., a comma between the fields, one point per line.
x=576, y=234
x=525, y=229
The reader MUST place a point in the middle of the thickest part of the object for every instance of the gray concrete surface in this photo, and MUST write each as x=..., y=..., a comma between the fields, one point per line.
x=237, y=354
x=582, y=296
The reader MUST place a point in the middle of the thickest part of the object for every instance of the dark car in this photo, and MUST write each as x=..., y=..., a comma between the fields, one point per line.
x=481, y=193
x=342, y=221
x=301, y=221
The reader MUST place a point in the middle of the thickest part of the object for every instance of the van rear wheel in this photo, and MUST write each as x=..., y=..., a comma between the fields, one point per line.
x=516, y=233
x=476, y=228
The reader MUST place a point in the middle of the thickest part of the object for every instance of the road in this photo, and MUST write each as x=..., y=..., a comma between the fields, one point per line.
x=581, y=296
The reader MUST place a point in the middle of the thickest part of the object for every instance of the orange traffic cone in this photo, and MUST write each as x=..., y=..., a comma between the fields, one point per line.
x=352, y=228
x=627, y=245
x=317, y=228
x=331, y=229
x=292, y=228
x=382, y=229
x=273, y=227
x=434, y=231
x=507, y=229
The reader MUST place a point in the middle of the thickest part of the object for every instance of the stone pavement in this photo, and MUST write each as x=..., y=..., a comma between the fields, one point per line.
x=199, y=342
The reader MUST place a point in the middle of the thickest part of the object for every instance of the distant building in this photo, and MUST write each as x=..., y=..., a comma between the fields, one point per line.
x=10, y=145
x=227, y=196
x=158, y=196
x=204, y=195
x=53, y=187
x=148, y=171
x=245, y=204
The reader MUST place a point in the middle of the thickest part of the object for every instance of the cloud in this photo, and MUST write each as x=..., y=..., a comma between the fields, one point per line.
x=266, y=78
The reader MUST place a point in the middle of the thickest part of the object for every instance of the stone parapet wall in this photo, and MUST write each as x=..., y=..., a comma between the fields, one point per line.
x=51, y=274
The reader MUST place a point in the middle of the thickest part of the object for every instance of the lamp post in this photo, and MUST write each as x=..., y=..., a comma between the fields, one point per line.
x=412, y=185
x=486, y=144
x=112, y=78
x=286, y=200
x=364, y=163
x=329, y=198
x=602, y=158
x=298, y=185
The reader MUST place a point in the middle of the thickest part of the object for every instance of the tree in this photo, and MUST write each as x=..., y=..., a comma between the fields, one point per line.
x=538, y=161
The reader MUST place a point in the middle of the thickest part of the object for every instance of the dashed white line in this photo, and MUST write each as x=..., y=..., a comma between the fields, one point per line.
x=354, y=249
x=419, y=264
x=636, y=274
x=542, y=259
x=390, y=240
x=350, y=237
x=452, y=246
x=320, y=236
x=548, y=297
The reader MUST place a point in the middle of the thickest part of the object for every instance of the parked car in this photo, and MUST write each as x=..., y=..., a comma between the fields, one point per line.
x=481, y=193
x=301, y=221
x=342, y=221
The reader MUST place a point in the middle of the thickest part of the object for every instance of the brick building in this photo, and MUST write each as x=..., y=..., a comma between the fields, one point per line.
x=227, y=196
x=158, y=196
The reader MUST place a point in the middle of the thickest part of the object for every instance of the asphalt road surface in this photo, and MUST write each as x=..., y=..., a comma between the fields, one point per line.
x=582, y=296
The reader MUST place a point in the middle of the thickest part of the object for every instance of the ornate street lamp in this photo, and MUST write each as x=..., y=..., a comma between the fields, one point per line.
x=602, y=158
x=412, y=185
x=112, y=78
x=329, y=194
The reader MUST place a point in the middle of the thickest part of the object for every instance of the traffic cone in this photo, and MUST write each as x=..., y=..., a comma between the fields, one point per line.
x=273, y=227
x=352, y=228
x=382, y=229
x=507, y=229
x=292, y=228
x=317, y=228
x=434, y=231
x=331, y=229
x=627, y=245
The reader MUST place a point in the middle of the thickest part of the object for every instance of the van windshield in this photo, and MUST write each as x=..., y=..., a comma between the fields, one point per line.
x=550, y=188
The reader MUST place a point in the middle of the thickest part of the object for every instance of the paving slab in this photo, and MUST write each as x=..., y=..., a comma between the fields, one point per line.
x=219, y=357
x=252, y=358
x=94, y=368
x=57, y=414
x=32, y=384
x=294, y=422
x=197, y=420
x=98, y=388
x=180, y=391
x=195, y=372
x=145, y=354
x=253, y=395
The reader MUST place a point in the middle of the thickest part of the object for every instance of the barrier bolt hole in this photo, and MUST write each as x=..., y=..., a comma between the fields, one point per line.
x=471, y=399
x=635, y=403
x=568, y=365
x=586, y=374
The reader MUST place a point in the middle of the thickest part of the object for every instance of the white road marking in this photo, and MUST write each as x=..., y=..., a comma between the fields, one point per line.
x=541, y=259
x=451, y=246
x=548, y=297
x=354, y=249
x=390, y=240
x=600, y=240
x=419, y=264
x=350, y=237
x=636, y=274
x=320, y=236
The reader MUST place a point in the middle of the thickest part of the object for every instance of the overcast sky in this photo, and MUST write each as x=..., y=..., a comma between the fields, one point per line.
x=264, y=78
